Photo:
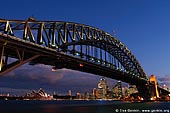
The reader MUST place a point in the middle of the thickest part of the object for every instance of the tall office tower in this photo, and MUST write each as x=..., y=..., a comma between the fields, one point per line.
x=94, y=93
x=119, y=84
x=117, y=89
x=102, y=89
x=69, y=93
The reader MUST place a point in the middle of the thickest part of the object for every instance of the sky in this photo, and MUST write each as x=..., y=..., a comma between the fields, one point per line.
x=142, y=25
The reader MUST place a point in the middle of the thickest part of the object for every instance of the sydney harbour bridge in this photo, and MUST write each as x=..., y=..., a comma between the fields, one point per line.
x=70, y=45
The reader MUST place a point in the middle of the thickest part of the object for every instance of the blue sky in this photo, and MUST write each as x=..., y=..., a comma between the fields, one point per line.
x=142, y=25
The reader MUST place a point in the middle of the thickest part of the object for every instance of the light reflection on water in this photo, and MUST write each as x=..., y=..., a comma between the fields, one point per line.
x=81, y=107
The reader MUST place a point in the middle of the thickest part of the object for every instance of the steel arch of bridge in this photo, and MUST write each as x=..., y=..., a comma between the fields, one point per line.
x=79, y=40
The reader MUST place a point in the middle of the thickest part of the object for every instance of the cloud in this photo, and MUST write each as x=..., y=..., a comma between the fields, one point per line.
x=13, y=91
x=33, y=77
x=10, y=74
x=39, y=72
x=164, y=80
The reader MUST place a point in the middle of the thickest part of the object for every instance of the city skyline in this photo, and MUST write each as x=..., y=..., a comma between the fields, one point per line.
x=143, y=26
x=101, y=92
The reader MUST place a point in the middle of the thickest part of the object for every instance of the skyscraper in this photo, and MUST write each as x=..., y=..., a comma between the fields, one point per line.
x=69, y=93
x=102, y=88
x=94, y=93
x=117, y=89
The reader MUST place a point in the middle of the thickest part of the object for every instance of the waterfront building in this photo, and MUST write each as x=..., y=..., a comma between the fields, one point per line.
x=94, y=94
x=39, y=95
x=125, y=91
x=117, y=90
x=102, y=89
x=78, y=96
x=165, y=87
x=109, y=94
x=132, y=89
x=69, y=93
x=86, y=95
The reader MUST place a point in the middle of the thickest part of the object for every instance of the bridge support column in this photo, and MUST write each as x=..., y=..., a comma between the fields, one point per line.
x=144, y=91
x=153, y=87
x=1, y=57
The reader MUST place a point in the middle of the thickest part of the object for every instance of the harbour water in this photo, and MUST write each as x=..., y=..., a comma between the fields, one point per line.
x=68, y=106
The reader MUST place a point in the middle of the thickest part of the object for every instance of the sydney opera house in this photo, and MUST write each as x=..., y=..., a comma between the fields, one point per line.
x=39, y=95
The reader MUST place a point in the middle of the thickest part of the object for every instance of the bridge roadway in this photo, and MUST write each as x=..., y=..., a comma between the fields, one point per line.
x=59, y=60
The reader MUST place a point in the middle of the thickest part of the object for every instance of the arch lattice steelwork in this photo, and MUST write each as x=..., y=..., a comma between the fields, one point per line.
x=78, y=40
x=66, y=44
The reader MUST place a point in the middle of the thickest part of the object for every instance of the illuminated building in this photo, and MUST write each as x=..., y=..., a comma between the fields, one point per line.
x=86, y=95
x=165, y=87
x=125, y=91
x=117, y=90
x=102, y=89
x=69, y=93
x=109, y=94
x=78, y=96
x=39, y=95
x=132, y=89
x=94, y=93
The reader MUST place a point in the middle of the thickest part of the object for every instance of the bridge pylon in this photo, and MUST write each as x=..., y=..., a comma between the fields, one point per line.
x=153, y=87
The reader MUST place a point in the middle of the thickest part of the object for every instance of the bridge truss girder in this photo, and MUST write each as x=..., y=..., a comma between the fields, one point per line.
x=59, y=35
x=13, y=57
x=63, y=43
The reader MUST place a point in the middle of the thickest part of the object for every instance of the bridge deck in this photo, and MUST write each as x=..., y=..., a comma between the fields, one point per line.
x=51, y=57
